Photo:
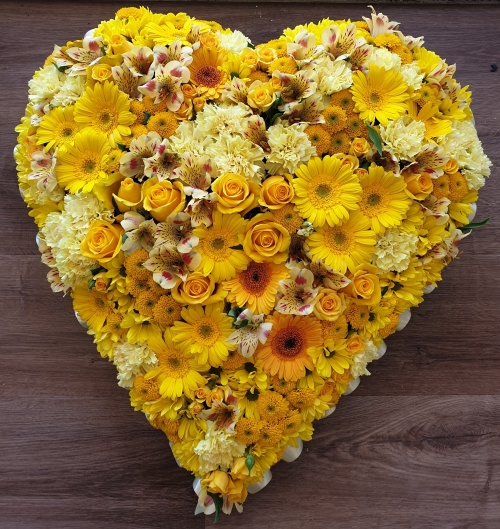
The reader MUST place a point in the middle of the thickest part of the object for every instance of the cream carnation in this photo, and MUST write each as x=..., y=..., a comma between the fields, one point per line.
x=234, y=154
x=411, y=75
x=463, y=145
x=187, y=139
x=404, y=137
x=290, y=146
x=218, y=449
x=333, y=76
x=384, y=58
x=234, y=42
x=132, y=360
x=45, y=84
x=64, y=232
x=394, y=250
x=214, y=120
x=361, y=360
x=70, y=91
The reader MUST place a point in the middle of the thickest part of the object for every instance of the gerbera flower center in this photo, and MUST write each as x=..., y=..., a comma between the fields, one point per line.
x=323, y=192
x=208, y=76
x=217, y=244
x=206, y=331
x=338, y=240
x=374, y=200
x=175, y=364
x=256, y=277
x=288, y=343
x=106, y=119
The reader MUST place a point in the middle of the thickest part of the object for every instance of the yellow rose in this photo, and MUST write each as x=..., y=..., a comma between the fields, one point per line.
x=349, y=160
x=163, y=198
x=354, y=345
x=235, y=193
x=237, y=491
x=260, y=96
x=359, y=147
x=189, y=91
x=198, y=103
x=201, y=394
x=329, y=305
x=101, y=282
x=451, y=166
x=275, y=83
x=266, y=240
x=364, y=287
x=103, y=241
x=198, y=289
x=217, y=482
x=208, y=40
x=195, y=408
x=216, y=394
x=101, y=72
x=120, y=44
x=129, y=195
x=361, y=173
x=276, y=192
x=250, y=58
x=266, y=56
x=185, y=111
x=239, y=470
x=419, y=185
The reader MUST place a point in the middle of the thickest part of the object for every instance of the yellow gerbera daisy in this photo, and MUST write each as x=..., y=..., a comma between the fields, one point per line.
x=325, y=191
x=58, y=128
x=83, y=164
x=168, y=32
x=384, y=200
x=92, y=306
x=207, y=72
x=379, y=95
x=346, y=246
x=289, y=346
x=219, y=258
x=106, y=110
x=176, y=374
x=256, y=287
x=203, y=334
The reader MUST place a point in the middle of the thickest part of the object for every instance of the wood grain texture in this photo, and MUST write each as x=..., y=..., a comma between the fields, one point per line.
x=417, y=446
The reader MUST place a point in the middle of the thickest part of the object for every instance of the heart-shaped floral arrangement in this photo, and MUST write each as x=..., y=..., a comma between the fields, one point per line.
x=241, y=226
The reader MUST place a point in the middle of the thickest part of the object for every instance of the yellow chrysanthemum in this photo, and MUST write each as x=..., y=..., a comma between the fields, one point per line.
x=355, y=128
x=216, y=246
x=325, y=191
x=248, y=430
x=176, y=374
x=256, y=287
x=335, y=330
x=384, y=200
x=258, y=75
x=287, y=350
x=83, y=164
x=106, y=110
x=167, y=311
x=458, y=187
x=164, y=123
x=134, y=265
x=335, y=118
x=272, y=406
x=340, y=143
x=207, y=73
x=319, y=138
x=58, y=128
x=380, y=94
x=270, y=434
x=92, y=306
x=203, y=334
x=346, y=246
x=343, y=99
x=281, y=385
x=283, y=65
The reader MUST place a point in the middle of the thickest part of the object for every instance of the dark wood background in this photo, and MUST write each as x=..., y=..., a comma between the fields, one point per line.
x=416, y=446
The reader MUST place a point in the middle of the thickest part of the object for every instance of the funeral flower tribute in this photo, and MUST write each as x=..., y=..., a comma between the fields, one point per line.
x=241, y=225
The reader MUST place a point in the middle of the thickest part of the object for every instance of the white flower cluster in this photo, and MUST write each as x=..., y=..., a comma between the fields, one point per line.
x=132, y=360
x=394, y=250
x=361, y=360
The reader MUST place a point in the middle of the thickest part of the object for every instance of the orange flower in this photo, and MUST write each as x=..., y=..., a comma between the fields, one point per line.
x=103, y=241
x=276, y=192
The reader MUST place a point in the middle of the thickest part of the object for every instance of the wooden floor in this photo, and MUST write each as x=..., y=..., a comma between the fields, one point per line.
x=416, y=446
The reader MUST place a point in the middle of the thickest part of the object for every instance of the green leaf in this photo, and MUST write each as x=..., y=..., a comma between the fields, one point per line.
x=121, y=147
x=396, y=286
x=474, y=225
x=215, y=371
x=249, y=367
x=242, y=323
x=91, y=284
x=123, y=271
x=234, y=312
x=124, y=237
x=249, y=462
x=252, y=396
x=383, y=292
x=147, y=115
x=374, y=137
x=95, y=271
x=62, y=69
x=237, y=247
x=218, y=505
x=250, y=45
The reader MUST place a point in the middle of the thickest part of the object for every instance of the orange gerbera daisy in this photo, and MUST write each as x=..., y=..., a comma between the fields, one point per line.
x=256, y=287
x=289, y=346
x=207, y=72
